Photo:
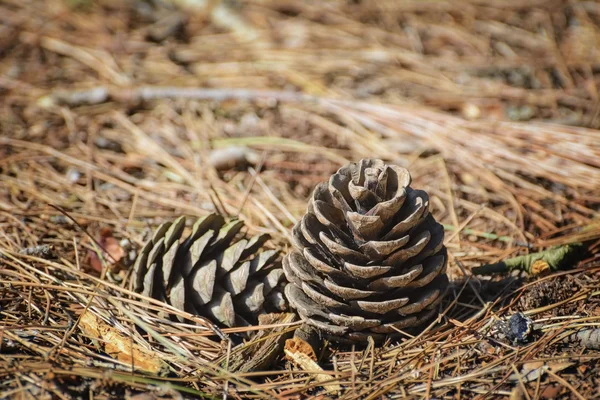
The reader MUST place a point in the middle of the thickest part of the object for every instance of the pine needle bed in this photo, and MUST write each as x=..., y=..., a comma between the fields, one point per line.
x=110, y=113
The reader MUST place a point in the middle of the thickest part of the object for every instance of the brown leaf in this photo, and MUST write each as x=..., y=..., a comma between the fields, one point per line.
x=113, y=254
x=551, y=391
x=117, y=345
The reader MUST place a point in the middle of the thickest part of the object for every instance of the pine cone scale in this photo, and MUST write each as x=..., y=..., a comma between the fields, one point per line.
x=354, y=322
x=149, y=281
x=366, y=271
x=347, y=293
x=327, y=214
x=377, y=250
x=413, y=248
x=174, y=232
x=420, y=304
x=195, y=252
x=229, y=258
x=321, y=298
x=322, y=266
x=342, y=249
x=140, y=267
x=235, y=282
x=395, y=326
x=307, y=308
x=431, y=269
x=397, y=281
x=168, y=260
x=381, y=307
x=177, y=296
x=203, y=282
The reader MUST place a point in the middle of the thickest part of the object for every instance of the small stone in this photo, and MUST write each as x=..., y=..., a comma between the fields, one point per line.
x=471, y=111
x=519, y=328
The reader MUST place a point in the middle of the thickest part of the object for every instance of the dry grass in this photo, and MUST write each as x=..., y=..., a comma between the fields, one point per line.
x=110, y=111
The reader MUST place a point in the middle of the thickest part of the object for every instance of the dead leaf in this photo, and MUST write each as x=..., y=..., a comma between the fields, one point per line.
x=112, y=256
x=551, y=391
x=119, y=346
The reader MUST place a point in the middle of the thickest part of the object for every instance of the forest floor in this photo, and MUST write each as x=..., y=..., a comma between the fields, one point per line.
x=116, y=116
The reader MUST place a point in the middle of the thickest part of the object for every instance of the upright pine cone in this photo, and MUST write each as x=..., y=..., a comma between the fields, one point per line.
x=214, y=272
x=369, y=259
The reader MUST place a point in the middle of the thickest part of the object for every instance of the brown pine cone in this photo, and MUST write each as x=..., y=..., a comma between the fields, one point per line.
x=369, y=258
x=213, y=272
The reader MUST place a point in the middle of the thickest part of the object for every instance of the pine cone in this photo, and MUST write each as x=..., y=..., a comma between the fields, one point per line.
x=213, y=272
x=369, y=257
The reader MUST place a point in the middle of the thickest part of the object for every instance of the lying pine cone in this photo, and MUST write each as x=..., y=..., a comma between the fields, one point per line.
x=369, y=257
x=214, y=272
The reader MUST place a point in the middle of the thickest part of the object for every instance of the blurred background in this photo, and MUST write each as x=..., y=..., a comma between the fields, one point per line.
x=244, y=106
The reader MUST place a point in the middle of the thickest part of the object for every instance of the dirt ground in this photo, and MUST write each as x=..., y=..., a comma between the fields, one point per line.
x=116, y=116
